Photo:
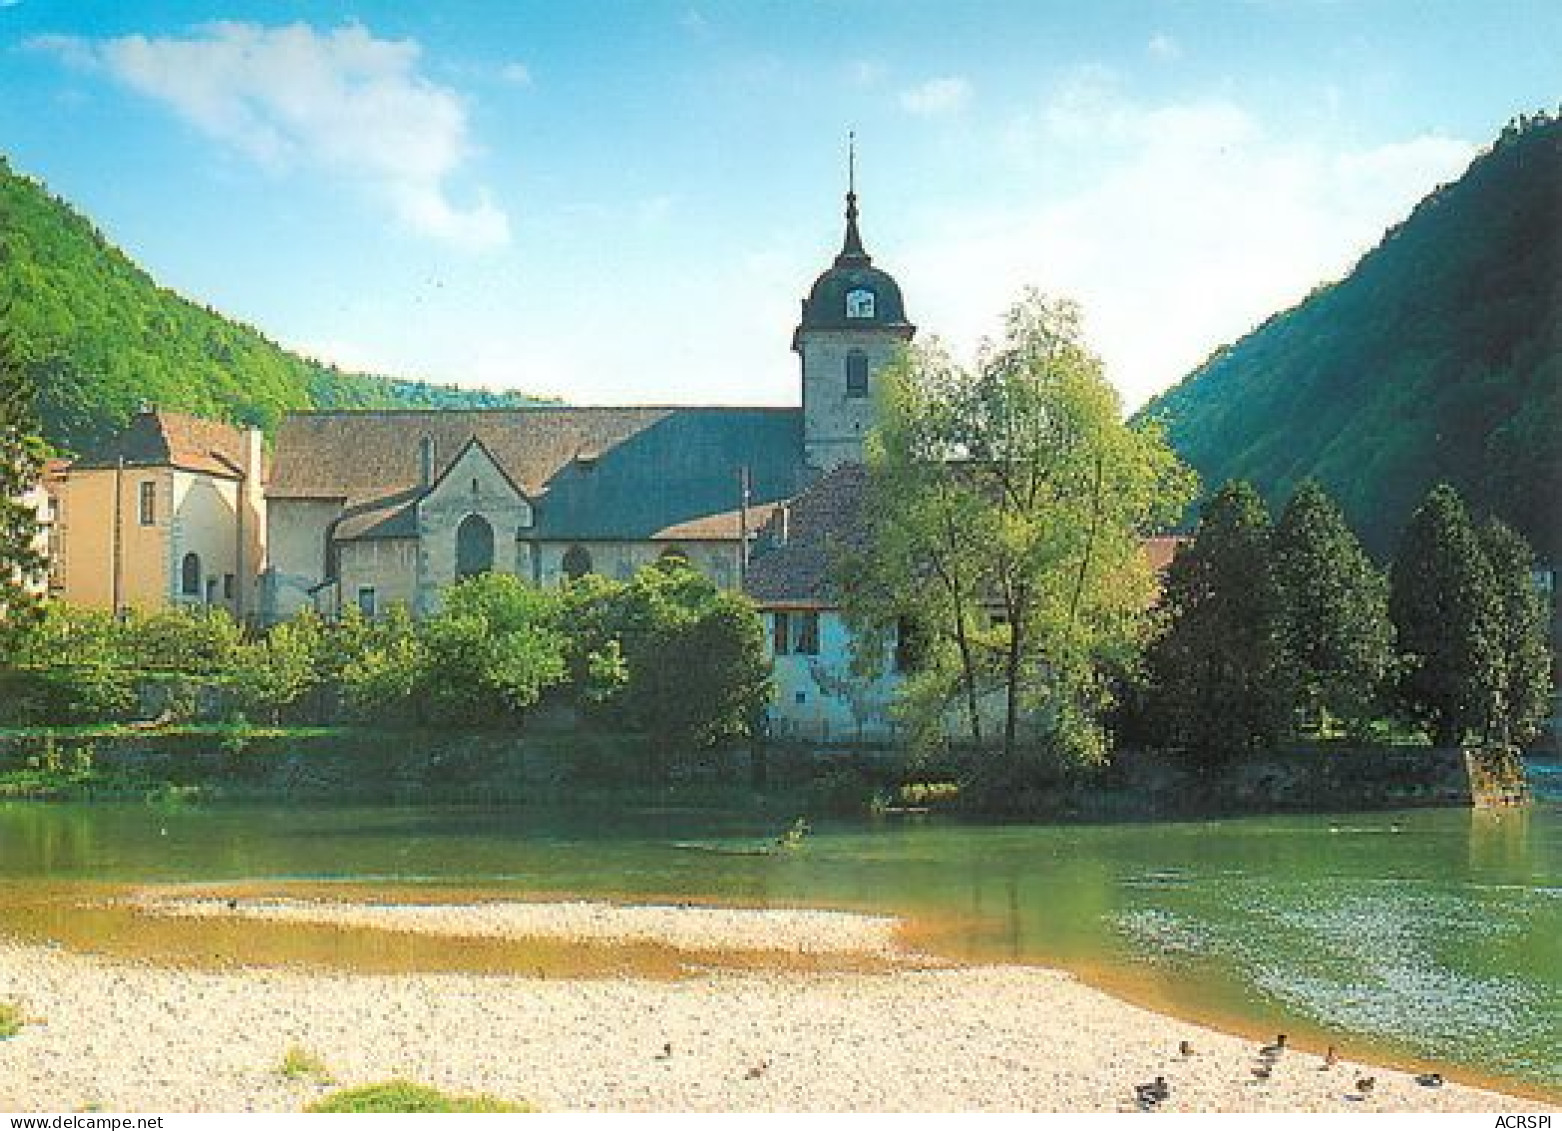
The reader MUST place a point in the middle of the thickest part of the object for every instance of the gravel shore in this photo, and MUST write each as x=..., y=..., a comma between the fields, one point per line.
x=122, y=1036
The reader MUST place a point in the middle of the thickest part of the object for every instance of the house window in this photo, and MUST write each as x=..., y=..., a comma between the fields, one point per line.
x=148, y=502
x=190, y=575
x=856, y=374
x=780, y=634
x=227, y=586
x=805, y=634
x=366, y=603
x=577, y=562
x=474, y=546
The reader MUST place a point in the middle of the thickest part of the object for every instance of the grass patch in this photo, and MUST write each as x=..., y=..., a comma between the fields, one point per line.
x=301, y=1064
x=211, y=730
x=11, y=1019
x=402, y=1096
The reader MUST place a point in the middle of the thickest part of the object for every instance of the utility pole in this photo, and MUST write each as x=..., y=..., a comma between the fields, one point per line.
x=743, y=501
x=118, y=539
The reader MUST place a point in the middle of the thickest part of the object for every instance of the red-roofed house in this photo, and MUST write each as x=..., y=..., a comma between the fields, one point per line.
x=168, y=512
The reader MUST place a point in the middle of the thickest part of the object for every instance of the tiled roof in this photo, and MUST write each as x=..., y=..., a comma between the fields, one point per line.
x=394, y=516
x=172, y=439
x=724, y=527
x=591, y=473
x=796, y=551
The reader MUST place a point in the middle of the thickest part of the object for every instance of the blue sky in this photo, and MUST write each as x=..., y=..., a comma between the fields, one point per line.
x=624, y=202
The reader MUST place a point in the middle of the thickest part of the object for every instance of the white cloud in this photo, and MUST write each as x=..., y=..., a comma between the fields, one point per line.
x=343, y=102
x=1163, y=46
x=518, y=74
x=936, y=96
x=1182, y=226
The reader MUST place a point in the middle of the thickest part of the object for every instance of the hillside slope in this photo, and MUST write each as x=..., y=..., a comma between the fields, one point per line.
x=1438, y=358
x=102, y=337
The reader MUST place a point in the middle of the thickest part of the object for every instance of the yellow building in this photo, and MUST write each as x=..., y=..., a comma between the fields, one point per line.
x=170, y=511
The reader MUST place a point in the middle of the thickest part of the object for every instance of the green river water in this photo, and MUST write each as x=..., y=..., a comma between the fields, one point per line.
x=1433, y=936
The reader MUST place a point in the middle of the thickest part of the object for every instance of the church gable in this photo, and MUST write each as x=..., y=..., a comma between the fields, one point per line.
x=473, y=519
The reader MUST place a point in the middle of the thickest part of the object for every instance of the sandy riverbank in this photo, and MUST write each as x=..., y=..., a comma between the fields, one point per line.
x=133, y=1036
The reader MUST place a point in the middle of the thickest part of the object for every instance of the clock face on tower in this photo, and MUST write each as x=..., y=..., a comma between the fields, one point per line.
x=859, y=303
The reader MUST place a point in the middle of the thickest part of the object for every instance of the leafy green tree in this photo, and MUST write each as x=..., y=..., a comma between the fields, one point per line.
x=1007, y=503
x=672, y=655
x=494, y=647
x=1444, y=601
x=1336, y=611
x=379, y=661
x=21, y=456
x=74, y=664
x=1221, y=684
x=271, y=674
x=195, y=641
x=1523, y=696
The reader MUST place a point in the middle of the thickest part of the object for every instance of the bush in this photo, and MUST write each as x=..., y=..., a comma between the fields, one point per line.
x=196, y=641
x=11, y=1019
x=301, y=1064
x=402, y=1096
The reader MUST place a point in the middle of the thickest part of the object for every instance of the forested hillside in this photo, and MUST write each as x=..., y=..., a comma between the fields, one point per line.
x=102, y=337
x=1438, y=358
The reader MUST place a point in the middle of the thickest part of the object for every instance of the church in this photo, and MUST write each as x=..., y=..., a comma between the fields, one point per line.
x=374, y=508
x=377, y=507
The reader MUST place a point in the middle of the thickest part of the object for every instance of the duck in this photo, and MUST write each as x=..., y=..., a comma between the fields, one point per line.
x=1430, y=1079
x=1186, y=1048
x=1274, y=1050
x=1154, y=1092
x=1330, y=1059
x=1366, y=1084
x=757, y=1071
x=666, y=1053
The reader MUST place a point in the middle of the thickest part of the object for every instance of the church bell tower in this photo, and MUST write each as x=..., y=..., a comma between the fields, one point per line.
x=853, y=322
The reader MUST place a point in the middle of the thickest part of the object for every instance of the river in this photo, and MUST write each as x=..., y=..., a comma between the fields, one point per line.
x=1434, y=936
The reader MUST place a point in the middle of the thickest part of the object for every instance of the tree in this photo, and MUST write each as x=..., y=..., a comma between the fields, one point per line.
x=669, y=654
x=273, y=673
x=21, y=457
x=1007, y=504
x=196, y=641
x=1444, y=603
x=1337, y=628
x=1522, y=698
x=1220, y=681
x=494, y=647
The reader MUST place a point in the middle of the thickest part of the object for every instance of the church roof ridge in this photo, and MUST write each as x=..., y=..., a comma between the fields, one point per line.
x=497, y=410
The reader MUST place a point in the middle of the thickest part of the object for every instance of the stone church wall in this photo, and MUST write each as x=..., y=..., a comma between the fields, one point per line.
x=472, y=486
x=296, y=542
x=833, y=423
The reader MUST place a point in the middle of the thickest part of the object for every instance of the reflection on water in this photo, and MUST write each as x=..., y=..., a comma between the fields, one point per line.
x=1436, y=934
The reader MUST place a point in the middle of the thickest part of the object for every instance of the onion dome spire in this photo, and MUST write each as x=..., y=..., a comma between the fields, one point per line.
x=852, y=253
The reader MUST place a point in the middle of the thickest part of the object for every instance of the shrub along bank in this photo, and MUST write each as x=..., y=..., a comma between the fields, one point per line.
x=666, y=655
